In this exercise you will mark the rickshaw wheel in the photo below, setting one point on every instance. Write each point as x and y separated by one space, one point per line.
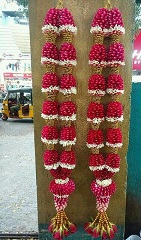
4 117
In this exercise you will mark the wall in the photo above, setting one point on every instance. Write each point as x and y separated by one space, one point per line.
81 204
133 211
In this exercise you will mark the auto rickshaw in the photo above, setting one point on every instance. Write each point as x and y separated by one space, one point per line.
18 104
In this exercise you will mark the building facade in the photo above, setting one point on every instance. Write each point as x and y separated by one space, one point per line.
15 57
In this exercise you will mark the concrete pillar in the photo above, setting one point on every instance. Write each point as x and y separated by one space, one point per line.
81 205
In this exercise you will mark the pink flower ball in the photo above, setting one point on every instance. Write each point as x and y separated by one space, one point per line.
115 84
95 112
115 56
50 52
62 189
114 137
98 55
97 85
68 84
103 174
67 111
50 82
68 159
50 133
95 138
113 161
68 136
51 158
116 21
60 173
50 109
65 17
107 22
96 161
67 52
103 191
52 17
114 112
100 23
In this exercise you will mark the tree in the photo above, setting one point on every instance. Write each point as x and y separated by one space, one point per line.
137 18
24 3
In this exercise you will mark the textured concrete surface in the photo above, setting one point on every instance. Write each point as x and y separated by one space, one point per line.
18 203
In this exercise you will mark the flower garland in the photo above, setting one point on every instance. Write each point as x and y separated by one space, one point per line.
59 21
107 22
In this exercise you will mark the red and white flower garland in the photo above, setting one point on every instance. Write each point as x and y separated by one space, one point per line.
59 21
107 22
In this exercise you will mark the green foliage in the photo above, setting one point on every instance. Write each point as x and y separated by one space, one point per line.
137 18
22 2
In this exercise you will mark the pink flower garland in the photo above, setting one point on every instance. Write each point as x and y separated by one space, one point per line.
106 23
59 21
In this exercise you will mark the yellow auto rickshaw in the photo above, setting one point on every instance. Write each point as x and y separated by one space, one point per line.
18 104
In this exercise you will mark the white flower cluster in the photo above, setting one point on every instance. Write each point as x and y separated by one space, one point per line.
96 92
105 31
113 63
97 63
50 89
92 168
50 27
62 196
68 28
104 183
52 166
45 60
51 117
66 91
54 141
61 181
68 118
66 165
95 145
56 165
114 119
67 143
67 62
116 145
95 120
110 169
117 28
114 91
98 168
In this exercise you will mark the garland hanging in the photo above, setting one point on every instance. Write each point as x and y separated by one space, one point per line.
59 22
107 22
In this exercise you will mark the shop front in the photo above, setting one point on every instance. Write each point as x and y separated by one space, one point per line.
137 58
17 80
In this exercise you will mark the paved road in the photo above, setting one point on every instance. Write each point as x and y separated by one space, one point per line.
18 207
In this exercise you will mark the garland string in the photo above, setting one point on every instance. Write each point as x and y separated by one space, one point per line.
107 22
59 21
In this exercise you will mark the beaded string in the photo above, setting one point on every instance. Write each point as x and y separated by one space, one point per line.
108 5
60 4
